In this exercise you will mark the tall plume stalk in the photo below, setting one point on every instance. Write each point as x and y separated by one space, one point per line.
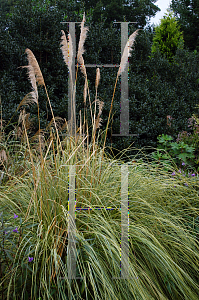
35 72
67 51
80 61
81 49
97 80
123 63
35 76
97 120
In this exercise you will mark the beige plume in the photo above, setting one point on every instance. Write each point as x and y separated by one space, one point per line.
126 52
31 97
33 62
35 76
100 106
67 50
98 123
82 66
97 80
3 156
64 48
81 44
98 119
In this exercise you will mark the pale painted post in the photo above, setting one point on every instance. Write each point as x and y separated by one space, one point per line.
124 111
71 99
72 103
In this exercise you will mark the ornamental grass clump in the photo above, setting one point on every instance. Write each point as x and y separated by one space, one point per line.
163 238
74 175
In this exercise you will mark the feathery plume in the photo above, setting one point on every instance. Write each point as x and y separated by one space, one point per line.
67 50
82 66
22 116
98 123
97 80
82 40
35 76
100 106
123 63
64 48
32 96
3 156
126 52
29 99
33 62
98 119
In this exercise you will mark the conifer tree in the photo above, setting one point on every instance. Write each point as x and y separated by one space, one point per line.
187 14
168 37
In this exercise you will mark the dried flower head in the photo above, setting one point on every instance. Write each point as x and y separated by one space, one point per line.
81 49
97 80
3 156
126 52
82 66
67 50
82 39
33 62
31 97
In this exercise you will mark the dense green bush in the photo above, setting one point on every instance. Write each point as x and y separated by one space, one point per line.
158 89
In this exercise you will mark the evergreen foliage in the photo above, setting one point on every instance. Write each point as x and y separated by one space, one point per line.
121 10
187 14
168 37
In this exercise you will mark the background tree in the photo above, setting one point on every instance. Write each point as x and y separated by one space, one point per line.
168 37
6 7
187 14
122 10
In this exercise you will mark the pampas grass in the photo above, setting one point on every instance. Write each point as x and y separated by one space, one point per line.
80 60
67 51
81 49
34 75
32 97
124 59
163 226
97 80
34 94
40 80
126 53
34 64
